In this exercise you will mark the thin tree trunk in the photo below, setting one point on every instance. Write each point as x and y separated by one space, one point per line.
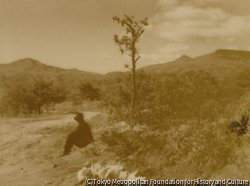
134 78
134 90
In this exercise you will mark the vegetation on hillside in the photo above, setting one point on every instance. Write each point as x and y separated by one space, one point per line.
22 100
86 91
180 128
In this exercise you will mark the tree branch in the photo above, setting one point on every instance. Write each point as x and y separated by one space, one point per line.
137 58
140 34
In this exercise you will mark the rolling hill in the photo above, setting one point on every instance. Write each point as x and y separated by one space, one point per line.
27 71
223 64
231 66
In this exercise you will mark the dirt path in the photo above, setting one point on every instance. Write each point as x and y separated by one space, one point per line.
31 148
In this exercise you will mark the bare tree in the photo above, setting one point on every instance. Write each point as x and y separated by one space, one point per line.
134 30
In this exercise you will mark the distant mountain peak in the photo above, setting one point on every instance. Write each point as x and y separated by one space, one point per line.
27 62
28 65
184 58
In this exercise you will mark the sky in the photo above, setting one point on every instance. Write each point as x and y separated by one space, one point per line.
79 33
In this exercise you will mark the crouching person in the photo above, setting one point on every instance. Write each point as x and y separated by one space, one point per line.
81 137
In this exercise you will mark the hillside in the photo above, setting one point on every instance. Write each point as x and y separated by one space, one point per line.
230 66
223 64
27 71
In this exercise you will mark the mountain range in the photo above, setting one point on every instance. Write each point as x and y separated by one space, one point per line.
231 66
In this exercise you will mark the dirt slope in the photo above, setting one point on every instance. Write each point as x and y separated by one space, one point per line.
31 150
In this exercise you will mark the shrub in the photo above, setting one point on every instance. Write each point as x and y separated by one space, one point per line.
199 148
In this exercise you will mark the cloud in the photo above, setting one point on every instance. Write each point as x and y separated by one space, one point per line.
185 23
167 5
239 7
165 54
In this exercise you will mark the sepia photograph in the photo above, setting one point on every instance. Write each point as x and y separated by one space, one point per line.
124 92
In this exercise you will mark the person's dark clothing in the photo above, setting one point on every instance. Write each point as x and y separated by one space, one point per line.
81 137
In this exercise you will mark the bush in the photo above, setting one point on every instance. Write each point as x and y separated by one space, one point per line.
190 96
193 147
